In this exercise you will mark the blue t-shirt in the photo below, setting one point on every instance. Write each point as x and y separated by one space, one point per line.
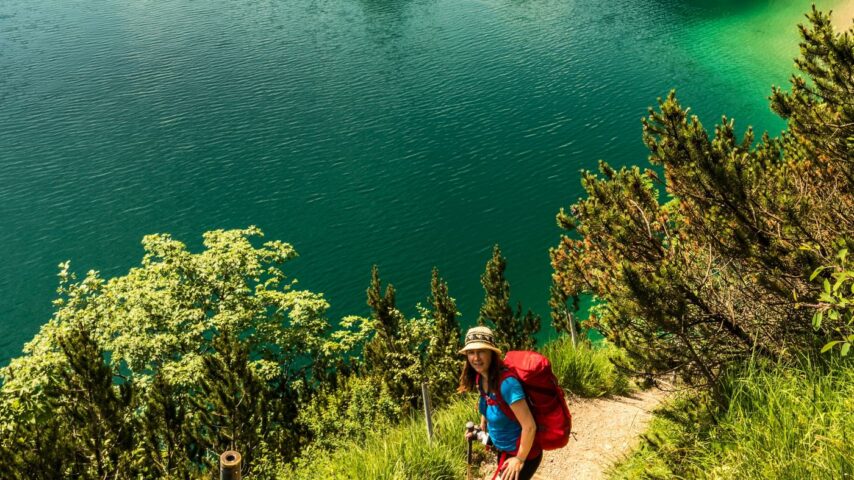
503 430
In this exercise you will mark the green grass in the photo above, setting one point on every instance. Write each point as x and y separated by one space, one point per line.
587 370
399 453
780 423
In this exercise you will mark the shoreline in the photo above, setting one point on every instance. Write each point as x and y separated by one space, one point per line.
843 14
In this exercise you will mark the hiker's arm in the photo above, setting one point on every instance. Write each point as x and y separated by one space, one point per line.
529 427
529 430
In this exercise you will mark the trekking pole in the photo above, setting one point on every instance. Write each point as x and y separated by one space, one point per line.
469 429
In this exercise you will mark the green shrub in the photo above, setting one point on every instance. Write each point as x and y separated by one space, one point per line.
587 370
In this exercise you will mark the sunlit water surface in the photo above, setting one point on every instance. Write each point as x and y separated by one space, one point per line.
407 133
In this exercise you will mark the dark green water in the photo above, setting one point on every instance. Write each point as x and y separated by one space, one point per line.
408 133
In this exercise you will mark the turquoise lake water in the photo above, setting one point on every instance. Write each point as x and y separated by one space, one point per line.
407 133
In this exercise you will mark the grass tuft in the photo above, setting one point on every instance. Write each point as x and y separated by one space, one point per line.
399 453
587 370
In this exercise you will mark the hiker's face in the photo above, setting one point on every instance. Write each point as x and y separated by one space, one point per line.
480 360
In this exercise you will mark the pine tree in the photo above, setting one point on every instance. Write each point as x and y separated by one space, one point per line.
716 273
232 403
383 307
40 448
528 325
99 414
512 331
444 313
89 430
496 302
168 433
397 348
386 324
443 359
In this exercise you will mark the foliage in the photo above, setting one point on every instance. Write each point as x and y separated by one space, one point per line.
513 331
836 303
779 422
587 370
404 352
231 402
186 355
349 412
819 113
706 276
396 347
154 373
168 430
88 431
191 354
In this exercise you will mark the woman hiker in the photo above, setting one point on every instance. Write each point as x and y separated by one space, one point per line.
518 456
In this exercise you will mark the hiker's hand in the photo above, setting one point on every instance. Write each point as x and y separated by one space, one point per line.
511 468
470 435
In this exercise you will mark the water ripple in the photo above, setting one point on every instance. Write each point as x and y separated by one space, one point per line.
408 133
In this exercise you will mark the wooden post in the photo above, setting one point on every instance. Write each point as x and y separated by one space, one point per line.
425 394
469 429
229 465
571 319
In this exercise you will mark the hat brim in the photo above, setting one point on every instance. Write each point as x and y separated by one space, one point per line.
479 346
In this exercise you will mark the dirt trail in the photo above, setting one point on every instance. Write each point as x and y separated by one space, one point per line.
843 14
604 430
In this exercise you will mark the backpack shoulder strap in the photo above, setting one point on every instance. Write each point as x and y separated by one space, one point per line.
499 400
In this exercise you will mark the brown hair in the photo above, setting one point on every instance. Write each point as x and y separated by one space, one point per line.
468 376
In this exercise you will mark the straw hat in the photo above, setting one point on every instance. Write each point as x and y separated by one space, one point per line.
480 338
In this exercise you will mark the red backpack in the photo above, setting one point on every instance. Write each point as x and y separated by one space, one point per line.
543 394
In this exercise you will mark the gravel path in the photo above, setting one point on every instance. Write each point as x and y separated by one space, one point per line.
604 430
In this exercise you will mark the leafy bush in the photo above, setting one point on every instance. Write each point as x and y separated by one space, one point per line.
834 310
167 366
